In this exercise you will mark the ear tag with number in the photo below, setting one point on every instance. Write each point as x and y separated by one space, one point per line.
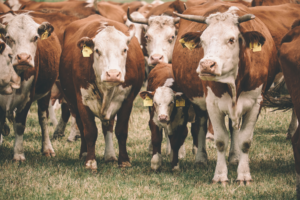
188 44
180 102
148 101
255 46
86 51
45 35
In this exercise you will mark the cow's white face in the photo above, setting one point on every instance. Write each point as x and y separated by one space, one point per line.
220 42
22 35
14 4
138 27
110 48
8 77
160 36
163 102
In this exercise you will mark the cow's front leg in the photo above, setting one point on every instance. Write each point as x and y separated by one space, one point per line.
156 139
109 152
293 126
234 153
43 105
201 120
177 140
19 128
75 132
245 140
122 131
4 128
194 130
61 126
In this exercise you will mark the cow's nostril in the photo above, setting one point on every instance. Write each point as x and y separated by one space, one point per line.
161 58
213 65
118 75
18 57
107 74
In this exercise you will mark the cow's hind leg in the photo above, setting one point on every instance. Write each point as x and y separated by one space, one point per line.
60 128
43 105
109 152
293 126
75 132
156 139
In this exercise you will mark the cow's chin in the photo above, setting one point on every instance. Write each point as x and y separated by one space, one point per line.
112 83
207 76
22 67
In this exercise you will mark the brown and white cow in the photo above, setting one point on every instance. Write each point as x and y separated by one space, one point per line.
166 114
102 84
233 76
289 60
35 56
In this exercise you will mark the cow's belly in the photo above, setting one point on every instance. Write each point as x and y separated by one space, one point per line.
245 102
19 98
104 109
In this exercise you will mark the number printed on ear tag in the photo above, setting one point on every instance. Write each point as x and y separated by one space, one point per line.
45 35
148 101
86 51
180 102
255 46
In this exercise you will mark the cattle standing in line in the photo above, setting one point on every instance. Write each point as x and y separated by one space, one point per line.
102 84
169 112
232 76
36 62
289 60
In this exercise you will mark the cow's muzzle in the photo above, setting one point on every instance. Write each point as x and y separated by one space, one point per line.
208 68
23 61
156 59
113 75
163 118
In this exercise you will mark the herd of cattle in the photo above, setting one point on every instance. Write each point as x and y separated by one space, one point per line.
201 60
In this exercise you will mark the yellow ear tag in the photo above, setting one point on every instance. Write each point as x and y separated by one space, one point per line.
86 51
44 35
190 45
180 102
148 101
255 46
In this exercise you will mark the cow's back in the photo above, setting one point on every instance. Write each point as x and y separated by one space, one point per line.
158 76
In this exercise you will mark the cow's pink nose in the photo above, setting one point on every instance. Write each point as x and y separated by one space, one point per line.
156 59
23 58
113 75
208 67
163 118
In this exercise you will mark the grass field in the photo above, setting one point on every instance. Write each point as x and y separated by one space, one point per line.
64 176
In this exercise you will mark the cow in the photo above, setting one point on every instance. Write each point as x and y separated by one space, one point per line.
4 8
228 75
35 56
102 82
145 9
289 60
169 113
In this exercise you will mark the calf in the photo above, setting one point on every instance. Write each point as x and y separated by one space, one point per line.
233 75
102 82
289 60
166 114
35 56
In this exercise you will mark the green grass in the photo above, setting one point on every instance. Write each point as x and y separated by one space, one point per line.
64 176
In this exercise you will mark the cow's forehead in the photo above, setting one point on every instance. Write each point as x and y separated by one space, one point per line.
229 17
22 21
163 94
161 21
110 35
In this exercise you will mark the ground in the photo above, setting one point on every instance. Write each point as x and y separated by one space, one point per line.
64 176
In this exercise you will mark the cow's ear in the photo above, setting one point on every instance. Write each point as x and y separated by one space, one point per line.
191 40
2 46
295 24
86 45
253 37
45 30
145 94
131 32
179 95
2 31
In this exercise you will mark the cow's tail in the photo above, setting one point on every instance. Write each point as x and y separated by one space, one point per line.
273 99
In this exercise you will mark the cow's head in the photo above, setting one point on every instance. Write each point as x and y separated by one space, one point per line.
14 4
109 49
164 101
221 41
160 36
8 77
22 35
139 28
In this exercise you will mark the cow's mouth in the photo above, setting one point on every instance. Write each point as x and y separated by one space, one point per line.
207 74
22 67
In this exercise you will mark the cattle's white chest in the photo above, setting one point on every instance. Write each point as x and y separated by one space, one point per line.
245 102
106 105
19 98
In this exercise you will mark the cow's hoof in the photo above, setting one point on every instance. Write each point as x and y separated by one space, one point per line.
111 159
224 183
57 136
176 168
19 157
49 153
240 182
5 130
156 161
125 164
194 150
248 183
92 165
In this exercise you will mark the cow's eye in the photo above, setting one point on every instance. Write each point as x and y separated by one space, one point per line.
147 37
35 38
231 40
97 51
10 56
125 50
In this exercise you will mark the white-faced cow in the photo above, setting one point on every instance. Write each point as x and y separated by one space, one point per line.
101 72
237 64
36 60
